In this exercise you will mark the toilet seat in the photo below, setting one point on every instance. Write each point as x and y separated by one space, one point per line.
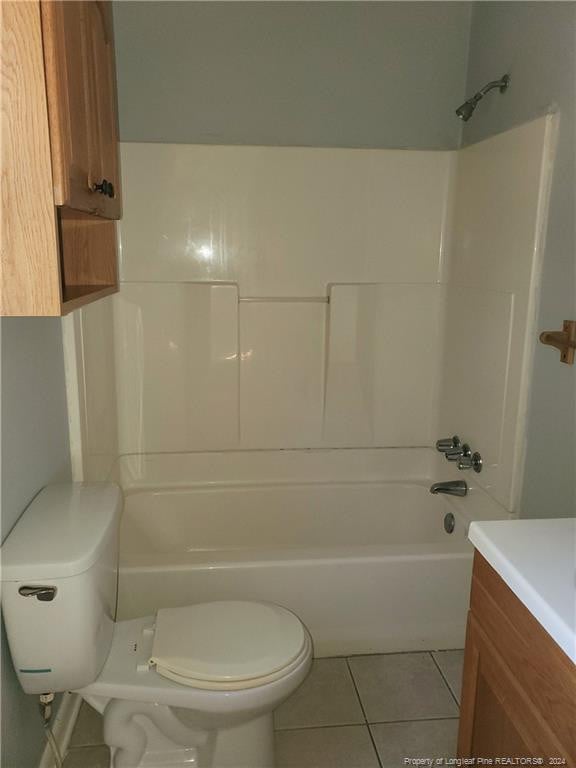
128 674
227 645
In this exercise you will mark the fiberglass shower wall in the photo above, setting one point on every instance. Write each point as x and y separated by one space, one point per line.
307 298
267 294
500 204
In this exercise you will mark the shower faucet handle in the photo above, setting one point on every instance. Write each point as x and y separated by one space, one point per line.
471 462
448 444
456 454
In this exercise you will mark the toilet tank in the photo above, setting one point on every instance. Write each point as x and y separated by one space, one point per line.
59 569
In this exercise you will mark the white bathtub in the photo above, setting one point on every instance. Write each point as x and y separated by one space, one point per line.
366 564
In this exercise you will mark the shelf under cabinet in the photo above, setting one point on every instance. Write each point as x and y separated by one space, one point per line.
88 262
76 296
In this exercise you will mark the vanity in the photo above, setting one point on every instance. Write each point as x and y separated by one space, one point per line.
519 680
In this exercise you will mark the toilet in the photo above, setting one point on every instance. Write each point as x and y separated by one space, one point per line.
191 686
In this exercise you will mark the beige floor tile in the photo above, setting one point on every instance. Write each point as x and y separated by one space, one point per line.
327 697
401 686
88 729
451 663
88 757
424 738
343 747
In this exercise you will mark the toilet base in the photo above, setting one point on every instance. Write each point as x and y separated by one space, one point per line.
149 735
152 722
250 745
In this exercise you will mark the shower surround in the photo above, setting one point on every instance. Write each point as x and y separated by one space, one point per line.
299 301
254 282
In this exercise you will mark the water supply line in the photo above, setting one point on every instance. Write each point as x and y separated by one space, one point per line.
45 703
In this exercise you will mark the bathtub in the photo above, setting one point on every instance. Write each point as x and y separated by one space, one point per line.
364 562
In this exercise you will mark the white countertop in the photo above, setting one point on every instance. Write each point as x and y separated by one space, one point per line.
537 559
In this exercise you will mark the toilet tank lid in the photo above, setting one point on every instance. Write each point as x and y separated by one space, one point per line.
62 532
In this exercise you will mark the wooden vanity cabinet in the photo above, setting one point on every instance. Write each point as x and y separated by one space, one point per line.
519 687
60 166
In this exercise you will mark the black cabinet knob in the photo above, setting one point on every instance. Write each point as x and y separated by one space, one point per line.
104 188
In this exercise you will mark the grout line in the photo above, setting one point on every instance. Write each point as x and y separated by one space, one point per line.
384 653
417 720
445 680
363 725
364 713
391 653
352 678
320 727
81 747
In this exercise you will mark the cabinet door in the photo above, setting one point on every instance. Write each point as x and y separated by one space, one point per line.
103 104
81 90
519 687
71 133
496 720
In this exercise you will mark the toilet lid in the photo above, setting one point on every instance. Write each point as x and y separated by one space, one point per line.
226 642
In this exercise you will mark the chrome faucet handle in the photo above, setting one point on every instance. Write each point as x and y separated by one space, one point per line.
447 443
471 462
458 453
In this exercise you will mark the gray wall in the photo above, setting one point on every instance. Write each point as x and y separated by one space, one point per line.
344 74
35 452
535 43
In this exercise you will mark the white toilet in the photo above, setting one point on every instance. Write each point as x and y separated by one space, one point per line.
193 686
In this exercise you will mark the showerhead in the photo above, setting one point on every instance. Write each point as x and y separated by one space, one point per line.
465 111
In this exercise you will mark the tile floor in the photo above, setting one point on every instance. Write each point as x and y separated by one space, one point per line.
360 712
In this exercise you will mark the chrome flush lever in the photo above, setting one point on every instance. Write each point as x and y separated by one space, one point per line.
45 594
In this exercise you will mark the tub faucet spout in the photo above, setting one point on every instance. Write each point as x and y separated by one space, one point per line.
451 488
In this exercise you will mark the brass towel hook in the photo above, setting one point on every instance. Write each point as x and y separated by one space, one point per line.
564 340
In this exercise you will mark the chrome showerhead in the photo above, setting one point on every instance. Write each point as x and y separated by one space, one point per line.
465 111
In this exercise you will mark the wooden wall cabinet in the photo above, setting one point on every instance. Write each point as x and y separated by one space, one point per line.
60 166
519 687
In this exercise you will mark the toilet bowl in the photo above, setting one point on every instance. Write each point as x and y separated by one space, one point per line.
194 686
216 710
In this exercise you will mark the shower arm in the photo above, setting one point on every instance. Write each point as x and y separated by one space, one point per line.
502 83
